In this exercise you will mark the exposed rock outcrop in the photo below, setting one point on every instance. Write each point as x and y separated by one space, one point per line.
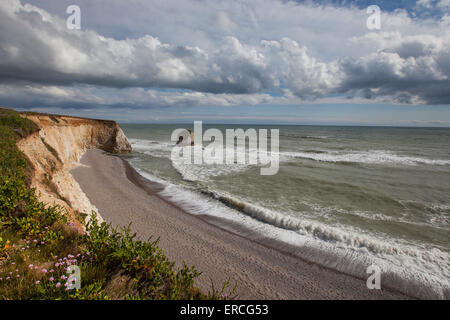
186 138
57 148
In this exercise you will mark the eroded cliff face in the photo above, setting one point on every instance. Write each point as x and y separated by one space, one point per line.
57 148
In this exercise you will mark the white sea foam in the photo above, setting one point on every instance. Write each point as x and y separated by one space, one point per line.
370 157
153 148
410 267
195 172
439 217
189 171
418 271
202 172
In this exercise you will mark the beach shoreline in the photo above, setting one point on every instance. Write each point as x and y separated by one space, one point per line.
219 249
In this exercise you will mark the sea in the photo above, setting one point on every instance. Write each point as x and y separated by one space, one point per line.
344 197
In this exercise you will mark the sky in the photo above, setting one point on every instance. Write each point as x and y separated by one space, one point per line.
252 61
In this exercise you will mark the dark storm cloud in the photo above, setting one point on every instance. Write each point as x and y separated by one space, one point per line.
38 50
413 70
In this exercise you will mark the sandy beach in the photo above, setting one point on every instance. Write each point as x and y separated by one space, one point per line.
122 197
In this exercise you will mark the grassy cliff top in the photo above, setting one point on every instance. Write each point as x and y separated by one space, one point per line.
12 120
38 244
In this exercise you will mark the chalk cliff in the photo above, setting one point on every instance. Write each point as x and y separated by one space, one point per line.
57 148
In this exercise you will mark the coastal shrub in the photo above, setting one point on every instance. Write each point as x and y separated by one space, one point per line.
17 124
53 118
38 244
51 149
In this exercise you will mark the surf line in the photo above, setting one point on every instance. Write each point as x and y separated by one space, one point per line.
235 153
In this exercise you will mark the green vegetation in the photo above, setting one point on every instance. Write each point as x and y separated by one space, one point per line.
51 149
54 119
38 244
12 121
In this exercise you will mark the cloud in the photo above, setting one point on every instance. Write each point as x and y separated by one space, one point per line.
87 97
424 3
412 69
221 54
39 48
303 74
440 4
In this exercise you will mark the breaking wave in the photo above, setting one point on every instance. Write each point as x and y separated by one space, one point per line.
418 272
412 268
370 157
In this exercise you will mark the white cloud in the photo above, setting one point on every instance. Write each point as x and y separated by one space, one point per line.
425 3
444 4
227 53
91 96
409 69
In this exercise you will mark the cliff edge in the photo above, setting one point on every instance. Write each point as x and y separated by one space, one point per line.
57 148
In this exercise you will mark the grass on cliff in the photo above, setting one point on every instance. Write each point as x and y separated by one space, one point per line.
38 244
